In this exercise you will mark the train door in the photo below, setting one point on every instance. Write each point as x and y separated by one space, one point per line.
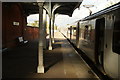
112 46
99 41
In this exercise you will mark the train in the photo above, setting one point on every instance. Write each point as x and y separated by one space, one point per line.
98 36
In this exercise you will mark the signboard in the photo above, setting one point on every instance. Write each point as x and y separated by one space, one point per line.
16 23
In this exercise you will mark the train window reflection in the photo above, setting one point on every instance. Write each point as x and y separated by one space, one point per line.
86 32
116 36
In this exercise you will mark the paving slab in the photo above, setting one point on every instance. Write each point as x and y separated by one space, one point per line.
61 62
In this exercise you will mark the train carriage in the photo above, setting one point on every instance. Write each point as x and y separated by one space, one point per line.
99 39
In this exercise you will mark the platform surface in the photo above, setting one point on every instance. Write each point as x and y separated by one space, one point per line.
62 62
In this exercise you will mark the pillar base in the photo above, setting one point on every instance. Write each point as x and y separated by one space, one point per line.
78 46
53 41
40 69
50 48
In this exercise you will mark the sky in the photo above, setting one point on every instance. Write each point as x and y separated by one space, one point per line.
63 20
33 18
82 12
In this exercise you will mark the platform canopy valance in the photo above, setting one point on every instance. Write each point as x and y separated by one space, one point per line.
66 8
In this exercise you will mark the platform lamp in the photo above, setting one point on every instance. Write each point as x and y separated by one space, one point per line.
88 7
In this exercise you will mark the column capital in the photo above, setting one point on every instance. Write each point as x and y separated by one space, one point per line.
40 4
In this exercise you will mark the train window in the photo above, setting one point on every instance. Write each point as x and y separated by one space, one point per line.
86 32
116 36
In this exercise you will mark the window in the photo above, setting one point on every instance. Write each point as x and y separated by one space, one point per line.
87 32
33 20
116 36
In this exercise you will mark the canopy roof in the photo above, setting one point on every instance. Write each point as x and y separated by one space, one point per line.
66 8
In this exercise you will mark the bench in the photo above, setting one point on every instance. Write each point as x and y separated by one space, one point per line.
21 40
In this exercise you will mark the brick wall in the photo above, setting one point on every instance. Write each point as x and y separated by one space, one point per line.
13 12
31 33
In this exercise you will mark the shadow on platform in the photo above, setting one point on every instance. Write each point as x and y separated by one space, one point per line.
24 59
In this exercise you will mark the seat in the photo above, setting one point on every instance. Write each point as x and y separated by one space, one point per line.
21 40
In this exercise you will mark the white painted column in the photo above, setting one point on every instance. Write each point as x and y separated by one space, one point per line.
53 20
70 32
50 35
40 68
44 33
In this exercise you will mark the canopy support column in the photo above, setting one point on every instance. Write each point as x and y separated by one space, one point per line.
45 25
77 35
50 38
50 34
70 32
53 20
40 68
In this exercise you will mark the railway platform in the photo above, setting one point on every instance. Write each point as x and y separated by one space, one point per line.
62 62
41 49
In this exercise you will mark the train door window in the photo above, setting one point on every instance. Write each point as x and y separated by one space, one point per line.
86 32
116 36
90 33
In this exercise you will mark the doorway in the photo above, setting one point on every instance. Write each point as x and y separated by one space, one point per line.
99 40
